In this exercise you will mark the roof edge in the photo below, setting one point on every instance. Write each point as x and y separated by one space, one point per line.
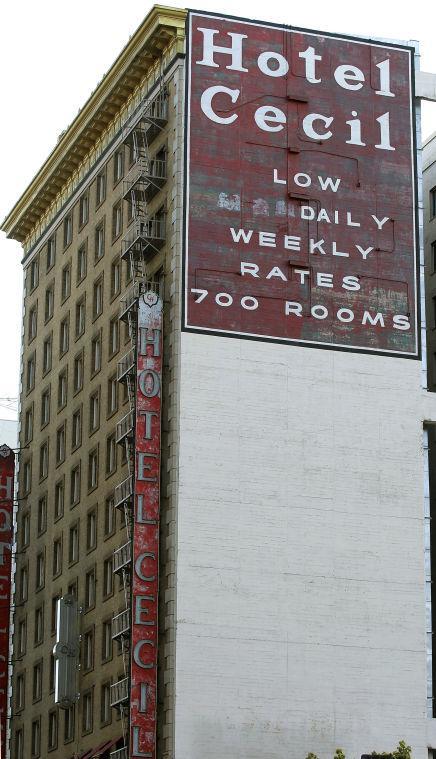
159 17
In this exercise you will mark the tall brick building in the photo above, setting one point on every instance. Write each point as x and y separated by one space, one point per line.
286 612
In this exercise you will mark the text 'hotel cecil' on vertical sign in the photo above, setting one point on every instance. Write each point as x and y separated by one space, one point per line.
300 221
7 470
145 558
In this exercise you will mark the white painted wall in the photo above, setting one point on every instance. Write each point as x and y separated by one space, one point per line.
300 573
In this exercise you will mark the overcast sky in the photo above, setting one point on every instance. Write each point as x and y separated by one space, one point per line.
53 54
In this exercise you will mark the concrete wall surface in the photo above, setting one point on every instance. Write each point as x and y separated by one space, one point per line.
300 571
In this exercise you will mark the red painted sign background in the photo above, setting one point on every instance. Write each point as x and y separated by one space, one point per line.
305 262
145 555
7 468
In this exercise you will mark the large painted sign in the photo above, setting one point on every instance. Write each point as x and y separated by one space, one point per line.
300 220
7 469
146 529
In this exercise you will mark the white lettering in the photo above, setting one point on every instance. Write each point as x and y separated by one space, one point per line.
401 322
249 268
209 48
310 59
385 79
308 126
281 69
384 143
206 104
268 113
373 320
345 75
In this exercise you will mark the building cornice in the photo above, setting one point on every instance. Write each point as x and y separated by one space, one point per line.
160 29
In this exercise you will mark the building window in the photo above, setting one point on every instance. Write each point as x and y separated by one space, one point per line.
106 640
432 202
111 454
33 323
115 277
52 674
37 681
88 650
97 299
60 444
94 411
28 425
62 389
81 263
47 355
117 220
87 712
108 585
90 589
112 395
68 230
109 516
30 373
25 529
118 165
69 720
73 544
45 406
52 730
57 557
24 579
129 271
21 637
20 691
78 372
19 744
40 571
114 337
51 252
105 704
93 469
80 316
72 589
42 515
76 429
91 529
54 609
27 476
83 209
43 460
100 188
96 354
64 335
34 274
75 485
35 746
99 241
66 282
49 303
39 625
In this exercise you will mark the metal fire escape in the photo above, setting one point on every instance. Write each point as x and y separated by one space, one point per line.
143 240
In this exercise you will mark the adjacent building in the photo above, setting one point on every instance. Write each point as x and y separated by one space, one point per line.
224 498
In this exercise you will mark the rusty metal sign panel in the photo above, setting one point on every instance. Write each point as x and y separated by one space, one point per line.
145 558
7 472
300 188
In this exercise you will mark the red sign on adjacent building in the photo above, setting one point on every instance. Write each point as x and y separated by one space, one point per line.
300 221
7 469
145 558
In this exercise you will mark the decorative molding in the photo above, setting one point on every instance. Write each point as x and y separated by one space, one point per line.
157 41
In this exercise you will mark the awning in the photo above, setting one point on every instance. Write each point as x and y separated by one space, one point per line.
99 752
87 754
